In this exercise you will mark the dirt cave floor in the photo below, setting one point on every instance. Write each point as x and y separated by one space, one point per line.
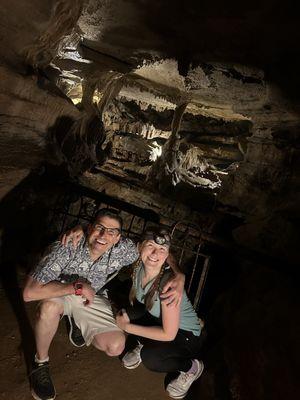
78 373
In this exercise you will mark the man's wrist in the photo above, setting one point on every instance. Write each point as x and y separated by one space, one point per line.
180 275
77 286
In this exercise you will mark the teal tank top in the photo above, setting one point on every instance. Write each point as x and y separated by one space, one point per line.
188 317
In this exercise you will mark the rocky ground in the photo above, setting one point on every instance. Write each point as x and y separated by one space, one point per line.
83 373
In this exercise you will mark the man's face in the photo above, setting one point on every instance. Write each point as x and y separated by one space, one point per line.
103 234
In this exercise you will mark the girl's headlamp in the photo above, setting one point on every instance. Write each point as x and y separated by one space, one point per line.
159 236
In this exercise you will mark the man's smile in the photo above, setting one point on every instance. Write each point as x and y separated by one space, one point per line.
101 241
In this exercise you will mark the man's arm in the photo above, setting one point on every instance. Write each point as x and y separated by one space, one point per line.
43 281
126 251
173 290
35 290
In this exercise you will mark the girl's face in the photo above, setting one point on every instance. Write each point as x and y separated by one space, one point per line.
153 254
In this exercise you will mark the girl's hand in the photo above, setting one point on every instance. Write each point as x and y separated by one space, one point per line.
122 320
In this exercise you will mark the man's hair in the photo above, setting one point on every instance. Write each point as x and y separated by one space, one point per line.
107 212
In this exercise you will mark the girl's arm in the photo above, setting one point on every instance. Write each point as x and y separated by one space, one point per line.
166 332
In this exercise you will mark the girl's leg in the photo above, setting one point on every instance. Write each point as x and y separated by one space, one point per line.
171 356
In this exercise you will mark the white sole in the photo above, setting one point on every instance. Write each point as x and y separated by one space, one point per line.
182 396
201 369
36 397
132 366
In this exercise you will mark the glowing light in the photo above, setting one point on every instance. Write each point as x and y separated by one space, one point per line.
155 151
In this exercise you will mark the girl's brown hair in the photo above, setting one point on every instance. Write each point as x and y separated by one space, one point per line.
152 292
156 234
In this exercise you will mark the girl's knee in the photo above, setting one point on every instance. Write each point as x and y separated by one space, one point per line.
150 358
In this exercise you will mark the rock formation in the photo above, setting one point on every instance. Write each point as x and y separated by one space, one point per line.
190 110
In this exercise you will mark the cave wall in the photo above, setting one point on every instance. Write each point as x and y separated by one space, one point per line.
239 119
28 110
252 351
265 188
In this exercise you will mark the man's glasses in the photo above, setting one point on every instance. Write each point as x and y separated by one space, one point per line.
110 231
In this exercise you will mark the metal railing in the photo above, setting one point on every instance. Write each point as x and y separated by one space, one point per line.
79 204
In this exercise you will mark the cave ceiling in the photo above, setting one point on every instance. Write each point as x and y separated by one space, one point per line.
187 111
184 51
199 51
199 96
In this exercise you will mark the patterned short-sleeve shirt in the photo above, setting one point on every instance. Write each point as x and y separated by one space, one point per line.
66 264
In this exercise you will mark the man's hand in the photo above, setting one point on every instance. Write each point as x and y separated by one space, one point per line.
173 290
88 293
122 320
74 235
172 262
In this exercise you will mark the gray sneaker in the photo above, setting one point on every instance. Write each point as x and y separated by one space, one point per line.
178 388
132 359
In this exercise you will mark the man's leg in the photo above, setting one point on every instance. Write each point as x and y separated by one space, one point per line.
98 325
74 332
46 325
112 343
47 321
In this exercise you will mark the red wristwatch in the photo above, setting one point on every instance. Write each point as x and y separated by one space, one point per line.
78 288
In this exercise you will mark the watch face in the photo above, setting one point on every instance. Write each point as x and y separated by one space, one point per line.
78 288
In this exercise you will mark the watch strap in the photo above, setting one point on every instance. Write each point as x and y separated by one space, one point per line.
77 288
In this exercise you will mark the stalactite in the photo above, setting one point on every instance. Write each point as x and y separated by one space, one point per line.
167 163
173 143
88 90
112 89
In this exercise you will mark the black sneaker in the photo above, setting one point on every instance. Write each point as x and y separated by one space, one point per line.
75 335
42 387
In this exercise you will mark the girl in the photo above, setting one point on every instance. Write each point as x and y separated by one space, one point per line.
169 337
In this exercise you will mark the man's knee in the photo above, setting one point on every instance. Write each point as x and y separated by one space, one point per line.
112 345
115 349
49 309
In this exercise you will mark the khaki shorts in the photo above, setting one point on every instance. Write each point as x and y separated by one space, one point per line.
92 319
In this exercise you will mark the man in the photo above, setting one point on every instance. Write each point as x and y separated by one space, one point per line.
66 282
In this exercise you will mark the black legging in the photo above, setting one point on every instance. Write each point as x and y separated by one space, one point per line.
171 356
166 356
